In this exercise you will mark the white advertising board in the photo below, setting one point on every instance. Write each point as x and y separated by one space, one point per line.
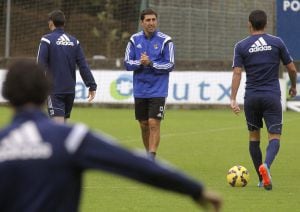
185 87
188 87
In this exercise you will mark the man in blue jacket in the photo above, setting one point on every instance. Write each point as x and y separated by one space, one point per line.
42 162
60 52
150 55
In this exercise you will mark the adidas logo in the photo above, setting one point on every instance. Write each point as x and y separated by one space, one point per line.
259 46
64 41
139 46
24 143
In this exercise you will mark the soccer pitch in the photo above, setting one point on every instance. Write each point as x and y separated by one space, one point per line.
203 143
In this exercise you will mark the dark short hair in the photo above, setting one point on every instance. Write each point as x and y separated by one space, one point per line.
258 19
147 11
26 82
58 18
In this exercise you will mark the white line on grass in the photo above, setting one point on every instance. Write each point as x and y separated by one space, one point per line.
126 141
187 133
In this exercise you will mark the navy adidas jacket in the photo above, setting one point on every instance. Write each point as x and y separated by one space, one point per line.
150 81
60 52
42 163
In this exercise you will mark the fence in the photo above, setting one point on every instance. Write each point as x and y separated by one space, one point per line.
103 27
201 30
208 29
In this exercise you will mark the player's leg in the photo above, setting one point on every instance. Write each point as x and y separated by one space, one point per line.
273 119
141 114
154 139
145 133
58 119
156 114
271 152
255 152
272 148
69 101
56 108
254 123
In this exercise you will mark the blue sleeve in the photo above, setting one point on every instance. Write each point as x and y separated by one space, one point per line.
284 54
43 53
237 57
131 63
166 63
84 69
98 152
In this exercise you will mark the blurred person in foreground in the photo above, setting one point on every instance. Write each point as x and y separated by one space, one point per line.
60 52
260 55
42 162
150 55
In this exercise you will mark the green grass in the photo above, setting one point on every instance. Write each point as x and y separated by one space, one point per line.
203 143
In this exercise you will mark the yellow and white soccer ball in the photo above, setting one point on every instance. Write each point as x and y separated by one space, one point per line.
238 176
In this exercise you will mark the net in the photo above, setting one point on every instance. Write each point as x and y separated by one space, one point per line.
208 29
103 27
201 30
2 27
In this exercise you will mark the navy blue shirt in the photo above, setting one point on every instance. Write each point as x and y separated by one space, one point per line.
41 165
260 55
60 52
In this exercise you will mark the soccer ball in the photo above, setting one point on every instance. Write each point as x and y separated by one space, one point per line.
238 176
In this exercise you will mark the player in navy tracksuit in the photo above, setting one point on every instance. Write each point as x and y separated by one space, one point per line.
60 52
42 162
260 55
150 55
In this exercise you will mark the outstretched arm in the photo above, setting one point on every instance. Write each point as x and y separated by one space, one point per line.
98 152
211 199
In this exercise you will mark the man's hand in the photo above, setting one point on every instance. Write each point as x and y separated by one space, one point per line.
235 107
145 59
211 200
91 95
293 91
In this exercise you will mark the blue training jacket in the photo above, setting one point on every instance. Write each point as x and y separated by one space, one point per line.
42 165
150 81
60 52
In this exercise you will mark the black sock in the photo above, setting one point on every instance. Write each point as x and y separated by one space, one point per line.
256 155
